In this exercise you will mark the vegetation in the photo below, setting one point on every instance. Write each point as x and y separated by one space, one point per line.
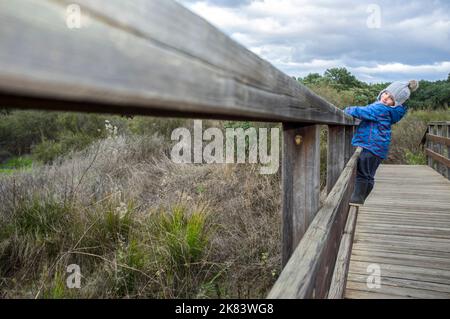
343 89
100 191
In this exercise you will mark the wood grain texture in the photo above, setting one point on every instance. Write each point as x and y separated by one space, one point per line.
335 154
142 57
339 280
404 227
300 183
349 148
448 150
441 160
440 139
309 270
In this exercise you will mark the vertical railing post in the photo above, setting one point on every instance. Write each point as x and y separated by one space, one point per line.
434 146
335 154
429 146
447 126
349 149
441 132
300 183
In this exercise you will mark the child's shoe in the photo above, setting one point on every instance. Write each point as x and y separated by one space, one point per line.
359 194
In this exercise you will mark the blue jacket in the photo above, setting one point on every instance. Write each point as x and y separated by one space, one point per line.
374 131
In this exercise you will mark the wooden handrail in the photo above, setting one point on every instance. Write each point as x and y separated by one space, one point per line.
339 280
309 271
157 58
143 57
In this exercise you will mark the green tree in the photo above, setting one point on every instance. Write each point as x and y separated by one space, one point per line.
312 79
342 79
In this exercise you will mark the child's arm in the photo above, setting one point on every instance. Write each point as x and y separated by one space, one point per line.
363 112
398 113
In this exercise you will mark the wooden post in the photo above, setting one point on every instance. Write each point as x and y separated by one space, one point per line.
448 148
433 147
429 145
300 183
335 155
441 132
349 149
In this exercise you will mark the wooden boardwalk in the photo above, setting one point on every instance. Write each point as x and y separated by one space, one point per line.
404 228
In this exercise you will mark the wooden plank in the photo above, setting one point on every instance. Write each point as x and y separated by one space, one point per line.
142 57
401 291
392 238
362 294
301 183
311 264
402 271
415 219
400 249
400 259
439 123
335 154
405 283
439 262
443 140
392 229
338 282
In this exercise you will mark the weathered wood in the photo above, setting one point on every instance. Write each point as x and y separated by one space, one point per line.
349 148
311 265
443 140
435 148
335 154
438 158
338 282
429 144
301 183
396 292
439 123
442 169
142 57
448 150
406 234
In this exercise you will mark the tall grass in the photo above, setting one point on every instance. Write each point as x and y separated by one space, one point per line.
138 226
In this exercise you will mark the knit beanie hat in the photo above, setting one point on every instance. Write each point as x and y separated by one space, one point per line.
400 91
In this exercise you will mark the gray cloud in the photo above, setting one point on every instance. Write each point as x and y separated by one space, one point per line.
302 36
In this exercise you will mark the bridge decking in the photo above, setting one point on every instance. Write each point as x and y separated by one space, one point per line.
404 227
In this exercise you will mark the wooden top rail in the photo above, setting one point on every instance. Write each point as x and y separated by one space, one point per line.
142 57
309 271
439 123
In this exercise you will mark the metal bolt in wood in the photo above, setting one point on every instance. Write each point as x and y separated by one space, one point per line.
298 139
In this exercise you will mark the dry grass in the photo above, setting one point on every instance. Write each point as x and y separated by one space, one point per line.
139 226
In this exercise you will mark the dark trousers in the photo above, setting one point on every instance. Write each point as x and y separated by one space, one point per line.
367 167
365 176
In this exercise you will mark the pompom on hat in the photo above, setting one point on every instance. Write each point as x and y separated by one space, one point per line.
400 91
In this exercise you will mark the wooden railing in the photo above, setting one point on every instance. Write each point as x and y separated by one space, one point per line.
157 58
437 141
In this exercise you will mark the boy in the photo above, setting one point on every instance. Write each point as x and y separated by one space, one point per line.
374 133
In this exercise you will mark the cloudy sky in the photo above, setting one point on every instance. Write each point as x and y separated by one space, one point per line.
376 40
